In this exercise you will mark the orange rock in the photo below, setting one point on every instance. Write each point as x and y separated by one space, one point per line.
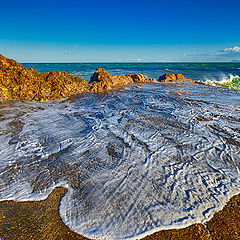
102 81
139 78
17 82
174 78
177 78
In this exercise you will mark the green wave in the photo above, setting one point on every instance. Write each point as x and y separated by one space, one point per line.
233 82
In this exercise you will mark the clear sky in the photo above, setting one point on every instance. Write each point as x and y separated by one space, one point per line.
126 30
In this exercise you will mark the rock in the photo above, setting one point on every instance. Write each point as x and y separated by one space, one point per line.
7 64
102 81
177 78
64 85
139 78
174 78
17 82
100 75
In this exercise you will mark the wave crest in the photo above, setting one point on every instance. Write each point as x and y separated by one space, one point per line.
231 82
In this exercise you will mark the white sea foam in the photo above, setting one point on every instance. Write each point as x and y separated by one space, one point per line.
224 80
134 161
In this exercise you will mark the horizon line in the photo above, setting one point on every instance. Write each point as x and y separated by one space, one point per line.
129 62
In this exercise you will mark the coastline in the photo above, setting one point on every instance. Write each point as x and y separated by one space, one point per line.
20 83
41 220
22 219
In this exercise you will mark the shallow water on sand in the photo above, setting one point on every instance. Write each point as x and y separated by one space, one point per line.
136 160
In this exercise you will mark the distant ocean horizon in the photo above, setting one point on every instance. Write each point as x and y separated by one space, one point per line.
200 71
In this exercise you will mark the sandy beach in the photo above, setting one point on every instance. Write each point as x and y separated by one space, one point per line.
40 220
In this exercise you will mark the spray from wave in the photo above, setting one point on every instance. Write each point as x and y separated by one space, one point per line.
231 82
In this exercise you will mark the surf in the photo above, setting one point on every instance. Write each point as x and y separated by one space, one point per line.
231 82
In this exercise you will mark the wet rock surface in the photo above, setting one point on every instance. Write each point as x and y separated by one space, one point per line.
38 220
140 151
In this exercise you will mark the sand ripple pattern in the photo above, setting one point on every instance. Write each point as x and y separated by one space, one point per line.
137 160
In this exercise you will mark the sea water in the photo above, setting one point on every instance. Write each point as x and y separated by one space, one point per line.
136 160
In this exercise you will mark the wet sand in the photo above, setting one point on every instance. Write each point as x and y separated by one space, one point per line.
35 219
41 220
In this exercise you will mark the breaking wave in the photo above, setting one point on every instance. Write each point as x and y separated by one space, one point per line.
231 82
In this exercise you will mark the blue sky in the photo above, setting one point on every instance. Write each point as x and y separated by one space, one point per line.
108 30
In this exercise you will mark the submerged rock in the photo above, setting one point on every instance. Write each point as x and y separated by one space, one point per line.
17 82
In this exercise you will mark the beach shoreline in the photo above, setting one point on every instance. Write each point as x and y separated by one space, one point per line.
41 220
178 112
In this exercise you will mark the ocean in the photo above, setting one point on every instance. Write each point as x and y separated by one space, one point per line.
135 161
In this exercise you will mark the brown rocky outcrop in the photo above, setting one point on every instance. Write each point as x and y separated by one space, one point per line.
102 81
139 78
17 82
176 78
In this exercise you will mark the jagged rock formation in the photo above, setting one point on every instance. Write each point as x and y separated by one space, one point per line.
102 81
17 82
139 78
176 78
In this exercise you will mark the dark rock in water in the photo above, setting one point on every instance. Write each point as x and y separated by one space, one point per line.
17 82
176 78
